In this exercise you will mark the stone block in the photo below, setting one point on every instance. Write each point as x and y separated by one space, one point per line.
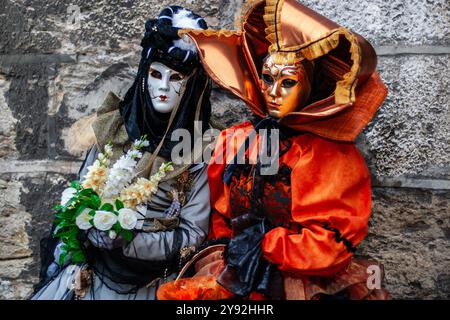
410 134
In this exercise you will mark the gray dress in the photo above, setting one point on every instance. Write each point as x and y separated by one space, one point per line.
151 246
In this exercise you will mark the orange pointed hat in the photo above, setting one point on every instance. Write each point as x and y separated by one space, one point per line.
343 58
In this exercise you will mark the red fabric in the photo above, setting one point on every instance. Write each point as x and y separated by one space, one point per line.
198 288
202 286
330 184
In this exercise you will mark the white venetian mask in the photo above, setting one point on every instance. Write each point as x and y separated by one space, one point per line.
166 87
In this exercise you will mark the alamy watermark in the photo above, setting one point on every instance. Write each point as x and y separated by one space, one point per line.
374 278
73 17
241 147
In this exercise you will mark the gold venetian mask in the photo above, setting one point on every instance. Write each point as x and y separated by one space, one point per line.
285 85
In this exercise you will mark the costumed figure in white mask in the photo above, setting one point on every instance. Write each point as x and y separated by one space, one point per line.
171 91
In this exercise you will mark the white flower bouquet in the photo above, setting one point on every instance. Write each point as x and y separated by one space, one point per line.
106 200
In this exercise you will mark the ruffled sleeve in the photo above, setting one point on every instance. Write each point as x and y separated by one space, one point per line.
331 202
227 144
220 209
192 230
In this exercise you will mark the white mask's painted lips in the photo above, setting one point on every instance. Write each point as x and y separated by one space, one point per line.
163 98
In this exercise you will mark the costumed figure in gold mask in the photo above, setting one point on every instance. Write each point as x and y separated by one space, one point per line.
293 234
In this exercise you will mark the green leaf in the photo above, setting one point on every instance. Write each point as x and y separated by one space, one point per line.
96 201
119 204
70 202
76 185
64 232
86 192
74 243
127 235
89 198
59 216
107 207
117 227
67 215
66 223
78 257
79 209
57 207
59 231
63 257
91 204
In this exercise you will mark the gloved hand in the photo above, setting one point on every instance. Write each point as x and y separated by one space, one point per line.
101 239
246 269
244 256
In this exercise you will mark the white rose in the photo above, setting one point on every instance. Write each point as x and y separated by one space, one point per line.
127 218
82 221
104 220
67 194
112 234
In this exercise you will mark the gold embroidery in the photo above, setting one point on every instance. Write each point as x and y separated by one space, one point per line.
184 183
209 32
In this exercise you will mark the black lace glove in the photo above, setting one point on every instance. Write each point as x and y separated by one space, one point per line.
246 269
100 239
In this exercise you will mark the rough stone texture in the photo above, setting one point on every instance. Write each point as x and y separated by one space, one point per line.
7 122
396 22
410 232
228 108
13 236
15 250
56 67
52 26
410 134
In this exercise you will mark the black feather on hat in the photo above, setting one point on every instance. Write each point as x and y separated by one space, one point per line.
162 41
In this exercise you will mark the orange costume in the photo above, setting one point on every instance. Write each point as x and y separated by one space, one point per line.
298 229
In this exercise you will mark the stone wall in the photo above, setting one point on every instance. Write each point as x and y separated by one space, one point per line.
56 66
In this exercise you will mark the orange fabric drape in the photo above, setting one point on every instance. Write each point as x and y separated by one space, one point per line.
330 185
330 191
